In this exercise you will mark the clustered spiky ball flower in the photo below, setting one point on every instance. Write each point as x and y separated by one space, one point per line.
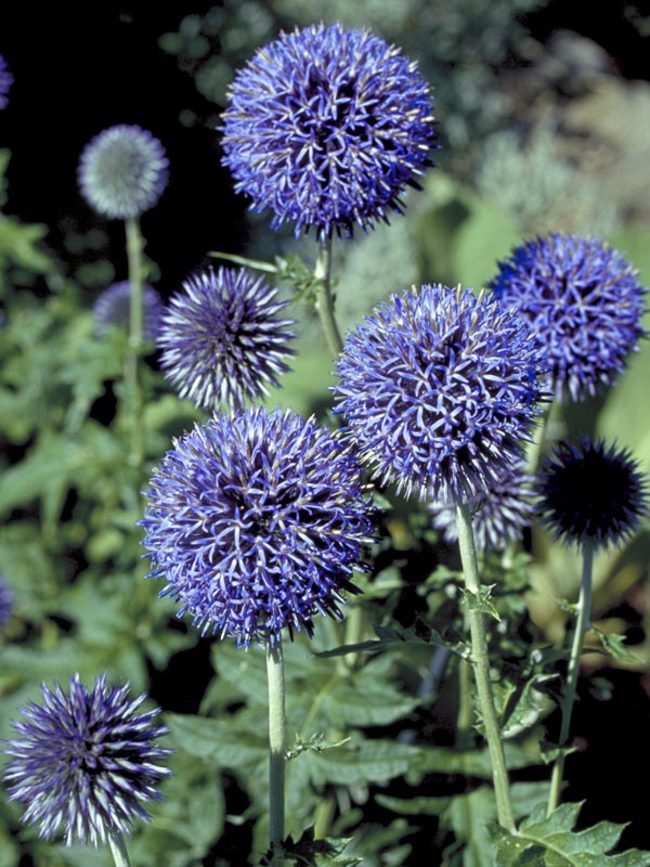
327 127
123 171
113 308
85 763
583 303
257 522
498 515
223 338
6 602
6 80
438 387
592 493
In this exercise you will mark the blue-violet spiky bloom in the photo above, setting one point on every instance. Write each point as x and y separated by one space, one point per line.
85 763
592 493
113 307
123 171
438 387
223 340
583 303
498 515
327 127
257 522
6 80
6 602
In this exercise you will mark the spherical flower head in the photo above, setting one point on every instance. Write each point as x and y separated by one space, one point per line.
583 304
85 763
327 127
113 308
223 338
257 522
438 387
6 602
592 494
498 515
6 80
123 171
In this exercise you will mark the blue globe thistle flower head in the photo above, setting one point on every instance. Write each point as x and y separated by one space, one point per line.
85 762
123 172
327 127
113 308
257 522
438 387
498 515
223 338
583 303
592 493
6 80
6 602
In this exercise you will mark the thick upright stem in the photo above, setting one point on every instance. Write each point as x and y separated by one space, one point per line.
277 749
118 851
481 667
581 627
325 299
134 257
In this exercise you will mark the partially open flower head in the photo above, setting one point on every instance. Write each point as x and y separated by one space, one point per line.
113 308
257 522
327 127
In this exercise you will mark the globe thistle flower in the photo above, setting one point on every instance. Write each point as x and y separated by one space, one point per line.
85 762
113 307
6 80
592 493
6 602
257 522
438 387
498 515
123 171
583 303
223 340
327 127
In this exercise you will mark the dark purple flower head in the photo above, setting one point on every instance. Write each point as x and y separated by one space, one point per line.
85 763
498 515
326 127
6 602
592 493
113 307
6 80
583 303
257 523
223 340
438 388
123 171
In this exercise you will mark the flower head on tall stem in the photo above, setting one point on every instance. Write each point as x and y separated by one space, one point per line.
327 127
6 80
113 307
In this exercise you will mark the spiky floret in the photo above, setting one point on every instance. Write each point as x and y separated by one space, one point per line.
583 303
113 307
6 80
592 493
498 515
438 388
327 127
123 171
257 522
85 763
223 340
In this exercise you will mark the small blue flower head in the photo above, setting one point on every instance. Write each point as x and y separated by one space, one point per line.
6 80
122 172
257 522
6 602
498 515
583 303
85 762
438 388
327 127
592 493
113 307
223 339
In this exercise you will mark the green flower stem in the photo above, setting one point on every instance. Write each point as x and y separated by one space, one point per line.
568 700
277 748
118 851
465 715
481 667
325 298
134 256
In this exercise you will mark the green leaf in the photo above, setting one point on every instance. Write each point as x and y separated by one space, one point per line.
308 852
213 740
316 743
370 761
481 601
614 645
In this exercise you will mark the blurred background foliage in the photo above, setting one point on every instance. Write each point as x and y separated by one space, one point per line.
545 125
